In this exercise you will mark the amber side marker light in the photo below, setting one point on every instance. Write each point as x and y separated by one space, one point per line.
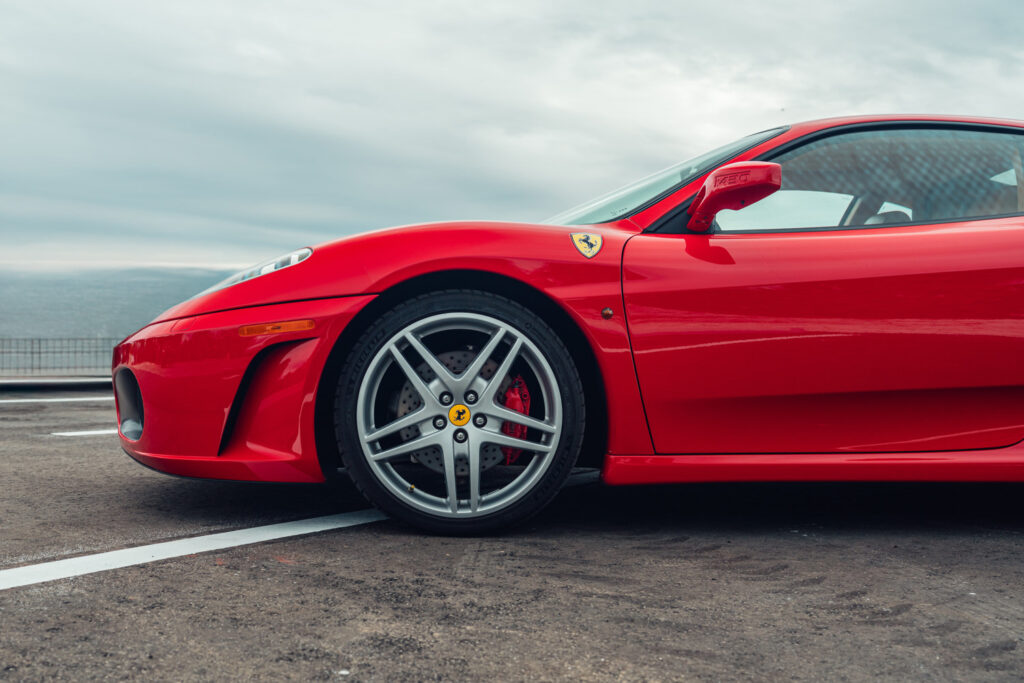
276 328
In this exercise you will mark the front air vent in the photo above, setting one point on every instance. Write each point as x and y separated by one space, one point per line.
129 404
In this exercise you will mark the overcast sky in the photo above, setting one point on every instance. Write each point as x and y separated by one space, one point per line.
211 132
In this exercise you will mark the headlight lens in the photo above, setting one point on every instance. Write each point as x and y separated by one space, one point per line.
297 256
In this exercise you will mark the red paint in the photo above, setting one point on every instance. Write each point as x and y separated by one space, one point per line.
189 372
888 353
541 256
897 339
733 186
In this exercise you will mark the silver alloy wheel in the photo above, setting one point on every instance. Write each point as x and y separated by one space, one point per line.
459 439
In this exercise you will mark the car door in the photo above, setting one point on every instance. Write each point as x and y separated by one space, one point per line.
875 303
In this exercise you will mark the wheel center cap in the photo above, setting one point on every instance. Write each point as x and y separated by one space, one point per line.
458 414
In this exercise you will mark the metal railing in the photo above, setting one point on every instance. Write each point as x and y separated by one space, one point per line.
64 357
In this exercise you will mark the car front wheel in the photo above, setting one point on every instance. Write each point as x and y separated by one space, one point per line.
459 412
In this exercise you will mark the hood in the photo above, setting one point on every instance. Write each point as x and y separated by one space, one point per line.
370 262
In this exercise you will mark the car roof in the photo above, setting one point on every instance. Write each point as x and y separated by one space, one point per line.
805 127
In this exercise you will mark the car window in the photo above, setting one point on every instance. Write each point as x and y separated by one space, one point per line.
788 209
1008 177
890 177
632 197
893 206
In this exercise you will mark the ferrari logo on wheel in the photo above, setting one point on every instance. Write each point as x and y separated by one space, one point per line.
587 242
458 415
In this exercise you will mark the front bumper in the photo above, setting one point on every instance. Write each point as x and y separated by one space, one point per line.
221 405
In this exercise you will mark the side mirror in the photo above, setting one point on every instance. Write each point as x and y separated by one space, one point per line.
733 186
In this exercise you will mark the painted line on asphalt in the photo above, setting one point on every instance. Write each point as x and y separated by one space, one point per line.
57 400
39 381
93 432
117 559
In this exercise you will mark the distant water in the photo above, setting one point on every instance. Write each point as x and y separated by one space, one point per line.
93 303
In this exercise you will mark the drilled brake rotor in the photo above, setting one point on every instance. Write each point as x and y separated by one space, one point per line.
409 400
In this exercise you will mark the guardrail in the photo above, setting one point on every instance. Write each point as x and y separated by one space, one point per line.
64 357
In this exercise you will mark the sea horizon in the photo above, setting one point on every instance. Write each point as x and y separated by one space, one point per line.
43 302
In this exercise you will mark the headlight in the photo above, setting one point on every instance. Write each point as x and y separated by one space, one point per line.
270 266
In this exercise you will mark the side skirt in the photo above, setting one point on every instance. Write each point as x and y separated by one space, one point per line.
1001 464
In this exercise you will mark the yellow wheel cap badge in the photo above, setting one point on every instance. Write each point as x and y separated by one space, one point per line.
458 415
587 242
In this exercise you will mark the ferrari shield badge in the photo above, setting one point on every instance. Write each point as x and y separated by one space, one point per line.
587 242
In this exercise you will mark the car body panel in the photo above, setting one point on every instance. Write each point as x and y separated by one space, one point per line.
190 370
874 340
542 257
783 298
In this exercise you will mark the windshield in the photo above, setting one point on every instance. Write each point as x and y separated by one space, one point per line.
628 199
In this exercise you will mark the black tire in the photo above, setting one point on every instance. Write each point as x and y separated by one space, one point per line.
358 366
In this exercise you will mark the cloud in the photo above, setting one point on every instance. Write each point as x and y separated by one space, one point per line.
229 130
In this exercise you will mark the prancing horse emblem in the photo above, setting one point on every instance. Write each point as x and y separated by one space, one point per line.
458 415
587 242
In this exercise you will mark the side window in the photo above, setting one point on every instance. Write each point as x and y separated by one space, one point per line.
890 177
788 208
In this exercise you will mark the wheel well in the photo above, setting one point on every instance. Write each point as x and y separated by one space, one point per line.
595 438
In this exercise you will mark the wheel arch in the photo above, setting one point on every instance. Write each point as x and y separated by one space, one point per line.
595 438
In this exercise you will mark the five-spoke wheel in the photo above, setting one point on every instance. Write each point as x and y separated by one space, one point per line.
461 411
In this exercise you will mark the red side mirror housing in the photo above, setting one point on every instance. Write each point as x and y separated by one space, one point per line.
733 186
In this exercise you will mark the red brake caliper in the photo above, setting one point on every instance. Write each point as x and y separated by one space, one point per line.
517 398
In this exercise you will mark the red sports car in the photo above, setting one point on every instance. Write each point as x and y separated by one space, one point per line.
833 300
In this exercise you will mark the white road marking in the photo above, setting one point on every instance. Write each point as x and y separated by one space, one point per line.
30 381
116 559
93 432
77 399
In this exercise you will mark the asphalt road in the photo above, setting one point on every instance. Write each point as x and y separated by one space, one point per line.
709 582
